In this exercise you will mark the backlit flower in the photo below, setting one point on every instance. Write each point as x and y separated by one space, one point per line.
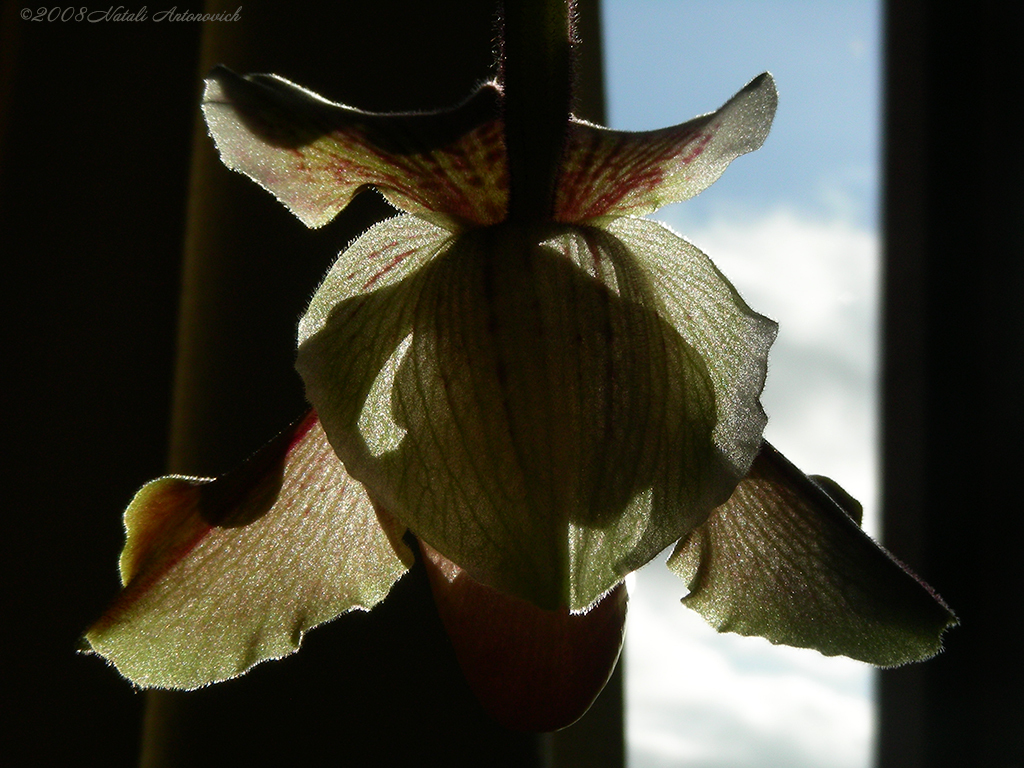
545 405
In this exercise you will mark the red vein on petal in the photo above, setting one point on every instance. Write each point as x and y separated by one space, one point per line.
395 261
171 516
616 171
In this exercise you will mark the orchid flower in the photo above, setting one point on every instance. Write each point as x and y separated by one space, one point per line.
542 404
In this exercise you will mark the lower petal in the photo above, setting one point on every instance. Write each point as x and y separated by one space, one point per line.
783 560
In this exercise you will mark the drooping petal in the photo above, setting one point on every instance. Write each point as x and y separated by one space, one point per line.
223 574
615 173
782 560
550 428
315 155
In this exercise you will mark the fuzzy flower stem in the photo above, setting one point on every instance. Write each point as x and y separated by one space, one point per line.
537 78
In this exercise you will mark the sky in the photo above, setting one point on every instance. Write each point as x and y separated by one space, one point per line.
794 226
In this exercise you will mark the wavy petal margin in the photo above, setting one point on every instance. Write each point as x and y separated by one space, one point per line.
709 313
610 173
783 560
223 574
314 155
535 405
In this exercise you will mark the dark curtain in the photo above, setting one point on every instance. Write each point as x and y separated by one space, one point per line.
96 128
954 372
107 179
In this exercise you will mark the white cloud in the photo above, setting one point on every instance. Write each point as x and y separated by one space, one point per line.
705 700
819 280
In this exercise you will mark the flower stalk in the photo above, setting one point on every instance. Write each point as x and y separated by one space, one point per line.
536 77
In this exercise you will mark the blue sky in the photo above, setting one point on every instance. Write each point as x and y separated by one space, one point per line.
668 60
794 226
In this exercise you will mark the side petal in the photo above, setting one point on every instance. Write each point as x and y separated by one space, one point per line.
616 173
315 155
783 560
223 574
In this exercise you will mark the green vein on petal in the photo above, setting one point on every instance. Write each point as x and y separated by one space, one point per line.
711 316
782 560
350 336
617 173
315 155
554 429
223 574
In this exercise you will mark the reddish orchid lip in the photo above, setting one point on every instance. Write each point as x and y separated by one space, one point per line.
531 669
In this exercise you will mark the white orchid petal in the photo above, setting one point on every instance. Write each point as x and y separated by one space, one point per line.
710 315
554 426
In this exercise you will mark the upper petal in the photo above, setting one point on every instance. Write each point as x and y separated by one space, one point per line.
314 155
616 173
222 574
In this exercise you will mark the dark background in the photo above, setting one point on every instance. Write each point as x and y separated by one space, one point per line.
98 126
116 214
953 372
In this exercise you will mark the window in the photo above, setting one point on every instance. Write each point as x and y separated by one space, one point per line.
795 227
